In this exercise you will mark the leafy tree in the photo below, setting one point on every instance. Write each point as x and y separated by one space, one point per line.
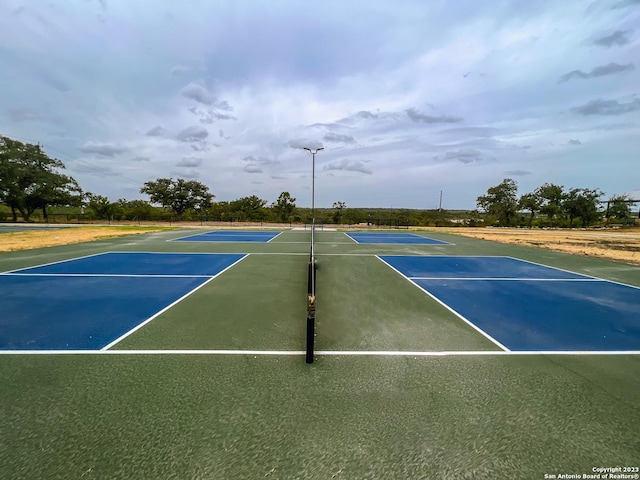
284 207
501 201
179 195
530 202
99 205
618 207
551 198
30 180
248 208
582 203
139 209
337 214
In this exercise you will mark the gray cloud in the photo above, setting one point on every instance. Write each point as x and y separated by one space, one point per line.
304 143
198 93
210 115
279 178
191 162
465 155
517 173
193 134
140 159
348 165
416 116
252 168
610 69
362 115
337 138
260 160
617 38
607 107
105 149
574 142
158 131
202 147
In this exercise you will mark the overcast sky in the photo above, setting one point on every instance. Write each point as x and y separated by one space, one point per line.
408 98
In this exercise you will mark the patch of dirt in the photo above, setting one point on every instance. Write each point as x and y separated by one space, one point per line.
28 240
620 245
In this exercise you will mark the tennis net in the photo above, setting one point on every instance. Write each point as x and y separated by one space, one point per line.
311 299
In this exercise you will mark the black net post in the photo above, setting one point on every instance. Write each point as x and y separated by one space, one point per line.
311 311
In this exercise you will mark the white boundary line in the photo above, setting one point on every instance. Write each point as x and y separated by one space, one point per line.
273 238
472 325
351 238
55 263
140 325
19 272
101 275
575 273
510 279
548 266
350 353
438 242
230 233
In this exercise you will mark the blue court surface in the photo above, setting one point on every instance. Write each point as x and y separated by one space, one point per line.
401 238
87 303
231 236
523 306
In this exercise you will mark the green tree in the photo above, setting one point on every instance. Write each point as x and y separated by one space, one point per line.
551 198
618 207
30 180
179 195
582 203
284 207
248 208
501 201
338 209
101 207
530 202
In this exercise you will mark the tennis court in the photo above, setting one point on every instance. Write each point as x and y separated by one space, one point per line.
453 358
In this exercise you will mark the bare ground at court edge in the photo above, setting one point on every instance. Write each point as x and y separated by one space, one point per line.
621 245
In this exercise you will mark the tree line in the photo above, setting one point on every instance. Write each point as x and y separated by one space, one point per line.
33 184
550 205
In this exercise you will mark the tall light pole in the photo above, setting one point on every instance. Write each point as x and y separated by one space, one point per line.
313 184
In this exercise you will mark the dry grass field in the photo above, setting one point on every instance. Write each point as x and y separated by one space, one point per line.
41 238
622 245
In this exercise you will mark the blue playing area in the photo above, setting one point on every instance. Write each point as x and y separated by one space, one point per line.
528 307
399 238
231 236
87 303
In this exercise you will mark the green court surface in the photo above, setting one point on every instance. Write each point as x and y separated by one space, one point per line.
217 386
